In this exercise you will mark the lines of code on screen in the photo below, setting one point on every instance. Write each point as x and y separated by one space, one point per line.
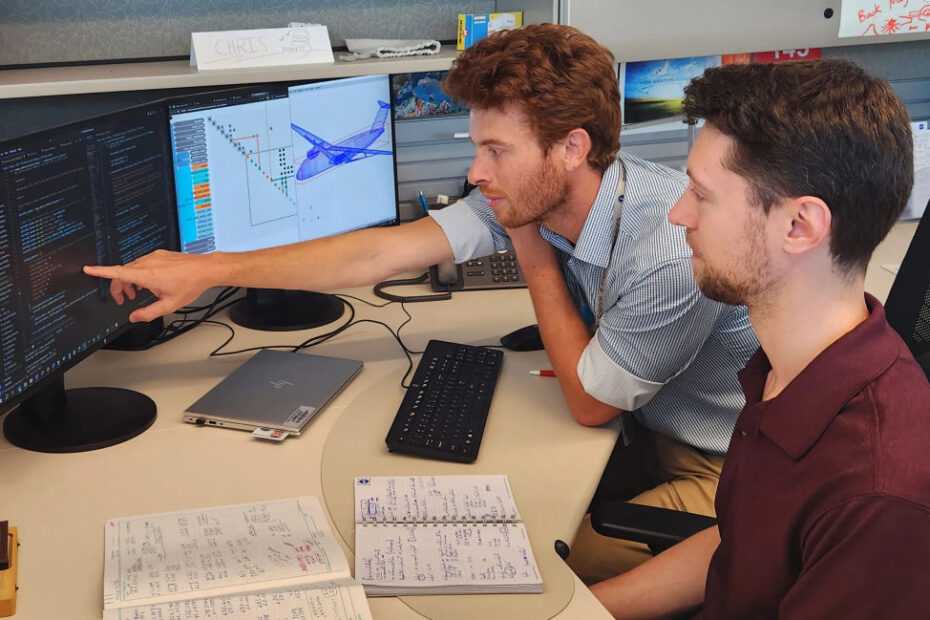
89 193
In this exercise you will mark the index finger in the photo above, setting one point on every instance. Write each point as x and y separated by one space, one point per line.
101 271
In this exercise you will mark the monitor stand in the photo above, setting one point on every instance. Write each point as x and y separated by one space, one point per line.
78 420
279 310
138 337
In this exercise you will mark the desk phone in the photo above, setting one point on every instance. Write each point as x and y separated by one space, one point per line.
499 270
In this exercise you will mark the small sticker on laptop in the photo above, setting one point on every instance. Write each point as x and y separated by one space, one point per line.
301 416
272 434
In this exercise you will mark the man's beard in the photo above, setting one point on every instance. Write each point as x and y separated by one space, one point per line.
752 279
546 189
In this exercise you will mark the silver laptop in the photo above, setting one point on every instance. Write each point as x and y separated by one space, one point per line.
274 389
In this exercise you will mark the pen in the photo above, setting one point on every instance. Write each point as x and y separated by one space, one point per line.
423 202
543 373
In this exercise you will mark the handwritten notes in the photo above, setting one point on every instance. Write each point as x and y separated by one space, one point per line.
441 535
277 554
330 602
862 18
236 49
445 559
424 499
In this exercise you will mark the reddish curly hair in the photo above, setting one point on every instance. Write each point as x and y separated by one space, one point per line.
561 78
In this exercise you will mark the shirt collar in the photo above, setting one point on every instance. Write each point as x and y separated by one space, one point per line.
594 246
797 417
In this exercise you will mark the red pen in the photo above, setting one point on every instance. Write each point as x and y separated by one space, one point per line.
543 373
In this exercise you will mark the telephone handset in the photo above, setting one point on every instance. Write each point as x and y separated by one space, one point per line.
447 274
499 270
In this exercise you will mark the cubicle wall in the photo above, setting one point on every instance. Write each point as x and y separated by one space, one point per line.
636 30
51 31
430 158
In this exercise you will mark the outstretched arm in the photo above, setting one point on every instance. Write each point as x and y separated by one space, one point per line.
353 259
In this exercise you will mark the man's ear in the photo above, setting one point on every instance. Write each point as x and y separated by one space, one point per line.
808 224
577 146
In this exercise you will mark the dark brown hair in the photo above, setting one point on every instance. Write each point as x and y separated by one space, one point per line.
562 79
822 128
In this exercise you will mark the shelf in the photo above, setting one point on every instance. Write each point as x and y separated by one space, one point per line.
74 80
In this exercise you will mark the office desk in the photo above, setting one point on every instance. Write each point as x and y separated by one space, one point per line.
60 502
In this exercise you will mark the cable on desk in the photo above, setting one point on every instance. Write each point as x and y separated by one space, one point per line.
179 326
183 325
380 292
396 334
321 338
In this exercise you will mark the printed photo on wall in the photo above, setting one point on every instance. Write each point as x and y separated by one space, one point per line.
653 89
419 95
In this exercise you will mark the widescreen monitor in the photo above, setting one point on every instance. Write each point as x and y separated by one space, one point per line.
273 164
93 192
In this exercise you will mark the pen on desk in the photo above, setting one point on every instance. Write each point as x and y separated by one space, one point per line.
423 202
543 373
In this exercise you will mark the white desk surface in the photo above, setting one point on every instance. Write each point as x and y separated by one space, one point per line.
59 502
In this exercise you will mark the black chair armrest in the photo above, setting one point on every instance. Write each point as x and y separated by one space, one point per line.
659 528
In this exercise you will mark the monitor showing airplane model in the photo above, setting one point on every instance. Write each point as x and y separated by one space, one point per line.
271 164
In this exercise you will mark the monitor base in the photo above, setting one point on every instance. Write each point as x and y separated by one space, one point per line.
280 310
79 420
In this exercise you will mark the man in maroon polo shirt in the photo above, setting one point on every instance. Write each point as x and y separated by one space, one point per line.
824 501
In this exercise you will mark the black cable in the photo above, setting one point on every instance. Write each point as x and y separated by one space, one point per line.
183 325
223 295
179 326
380 292
321 338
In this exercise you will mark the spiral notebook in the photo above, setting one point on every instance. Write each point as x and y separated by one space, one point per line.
441 535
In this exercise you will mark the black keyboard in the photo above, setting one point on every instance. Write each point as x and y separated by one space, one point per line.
446 406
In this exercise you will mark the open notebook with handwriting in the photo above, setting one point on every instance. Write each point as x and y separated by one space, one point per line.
273 560
441 535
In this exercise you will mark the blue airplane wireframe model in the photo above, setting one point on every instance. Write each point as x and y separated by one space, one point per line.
353 148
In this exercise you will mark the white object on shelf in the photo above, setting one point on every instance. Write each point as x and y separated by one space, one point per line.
389 48
269 47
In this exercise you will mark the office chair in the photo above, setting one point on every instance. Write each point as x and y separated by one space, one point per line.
908 305
908 311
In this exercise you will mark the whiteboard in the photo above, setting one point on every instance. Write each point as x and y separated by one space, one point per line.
654 29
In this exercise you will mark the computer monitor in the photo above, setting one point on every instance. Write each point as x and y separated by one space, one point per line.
92 192
273 164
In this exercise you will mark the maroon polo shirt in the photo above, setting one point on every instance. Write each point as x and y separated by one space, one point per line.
824 498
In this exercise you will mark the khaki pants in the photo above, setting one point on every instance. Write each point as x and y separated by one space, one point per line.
653 470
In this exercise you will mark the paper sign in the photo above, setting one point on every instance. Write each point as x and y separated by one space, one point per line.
920 194
235 49
864 18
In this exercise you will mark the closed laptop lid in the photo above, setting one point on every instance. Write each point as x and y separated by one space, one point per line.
274 389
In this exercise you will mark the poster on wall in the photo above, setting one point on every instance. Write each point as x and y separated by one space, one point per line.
653 90
420 95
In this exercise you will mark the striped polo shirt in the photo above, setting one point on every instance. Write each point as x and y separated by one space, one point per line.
661 349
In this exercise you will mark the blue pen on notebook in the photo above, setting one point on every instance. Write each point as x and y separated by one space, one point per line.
423 202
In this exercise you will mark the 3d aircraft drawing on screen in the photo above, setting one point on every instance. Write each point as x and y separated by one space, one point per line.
324 155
